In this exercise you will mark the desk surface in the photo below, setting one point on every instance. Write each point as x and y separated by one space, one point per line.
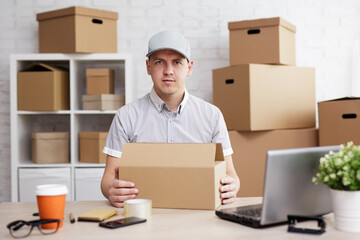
164 224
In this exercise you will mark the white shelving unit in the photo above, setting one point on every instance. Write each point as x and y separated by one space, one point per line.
23 123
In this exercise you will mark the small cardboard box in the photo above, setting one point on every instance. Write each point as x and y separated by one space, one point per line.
250 150
339 121
99 81
265 97
91 146
50 147
269 40
77 30
43 88
103 101
175 175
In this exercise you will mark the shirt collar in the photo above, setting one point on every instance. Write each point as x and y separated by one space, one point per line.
160 104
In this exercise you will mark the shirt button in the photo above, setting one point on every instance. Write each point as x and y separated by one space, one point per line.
171 141
170 120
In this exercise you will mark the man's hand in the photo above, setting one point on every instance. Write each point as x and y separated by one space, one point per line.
228 190
120 190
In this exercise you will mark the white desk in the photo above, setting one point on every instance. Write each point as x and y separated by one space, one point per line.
164 224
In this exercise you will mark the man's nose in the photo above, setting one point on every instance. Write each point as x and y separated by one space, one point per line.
168 70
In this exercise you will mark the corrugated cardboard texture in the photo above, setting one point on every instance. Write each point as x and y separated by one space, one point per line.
265 97
77 30
91 146
43 88
250 150
103 101
171 174
270 41
50 147
339 121
99 81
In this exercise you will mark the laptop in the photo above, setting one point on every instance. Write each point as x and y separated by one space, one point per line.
288 189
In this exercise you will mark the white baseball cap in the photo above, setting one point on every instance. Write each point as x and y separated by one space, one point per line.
169 39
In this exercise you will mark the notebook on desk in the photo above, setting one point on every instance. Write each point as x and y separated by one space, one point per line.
288 189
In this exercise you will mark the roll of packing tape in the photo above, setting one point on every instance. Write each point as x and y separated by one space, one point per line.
137 208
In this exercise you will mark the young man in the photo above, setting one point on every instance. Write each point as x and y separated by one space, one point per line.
167 114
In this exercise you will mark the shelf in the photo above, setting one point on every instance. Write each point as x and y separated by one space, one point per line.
74 120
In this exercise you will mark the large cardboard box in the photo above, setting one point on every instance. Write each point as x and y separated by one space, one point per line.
265 97
77 30
91 146
339 121
175 175
43 88
50 147
270 40
103 101
250 149
99 81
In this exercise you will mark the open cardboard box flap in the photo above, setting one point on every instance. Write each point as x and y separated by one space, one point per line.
171 155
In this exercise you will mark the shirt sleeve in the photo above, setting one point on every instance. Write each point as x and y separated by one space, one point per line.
117 135
221 134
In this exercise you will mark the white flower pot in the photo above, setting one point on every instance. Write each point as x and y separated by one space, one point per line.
346 206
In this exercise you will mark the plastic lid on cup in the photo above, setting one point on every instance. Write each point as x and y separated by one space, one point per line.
51 190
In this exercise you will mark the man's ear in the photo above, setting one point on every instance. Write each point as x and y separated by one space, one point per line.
148 66
190 68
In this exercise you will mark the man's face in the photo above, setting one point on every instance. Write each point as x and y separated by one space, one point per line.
168 70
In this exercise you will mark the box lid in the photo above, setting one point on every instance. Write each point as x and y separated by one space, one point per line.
263 22
50 135
41 67
76 10
98 71
341 99
104 97
93 135
171 154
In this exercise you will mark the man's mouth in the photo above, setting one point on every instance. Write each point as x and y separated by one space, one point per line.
168 80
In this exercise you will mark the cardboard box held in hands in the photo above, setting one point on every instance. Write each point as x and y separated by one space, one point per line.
175 175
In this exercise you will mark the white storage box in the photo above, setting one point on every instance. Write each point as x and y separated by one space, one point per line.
29 178
87 184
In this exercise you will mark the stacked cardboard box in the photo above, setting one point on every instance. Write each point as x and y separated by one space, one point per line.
267 101
339 121
100 90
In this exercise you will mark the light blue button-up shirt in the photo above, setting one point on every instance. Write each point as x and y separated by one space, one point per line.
148 119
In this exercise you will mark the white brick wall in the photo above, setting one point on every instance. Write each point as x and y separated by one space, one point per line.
326 31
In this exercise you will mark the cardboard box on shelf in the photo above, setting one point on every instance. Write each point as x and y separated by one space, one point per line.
268 40
43 88
103 101
265 97
170 174
99 81
250 149
91 146
339 121
77 30
50 147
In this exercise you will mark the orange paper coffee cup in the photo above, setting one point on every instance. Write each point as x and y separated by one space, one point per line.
51 203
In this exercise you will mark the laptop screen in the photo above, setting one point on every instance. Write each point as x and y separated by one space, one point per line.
288 187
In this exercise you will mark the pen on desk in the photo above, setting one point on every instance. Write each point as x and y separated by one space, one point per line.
72 219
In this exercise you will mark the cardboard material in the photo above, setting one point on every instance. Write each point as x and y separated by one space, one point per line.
175 175
77 30
269 40
91 146
50 147
103 101
43 88
339 121
99 81
265 97
250 150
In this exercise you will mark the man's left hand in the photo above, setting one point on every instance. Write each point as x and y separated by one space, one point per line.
228 190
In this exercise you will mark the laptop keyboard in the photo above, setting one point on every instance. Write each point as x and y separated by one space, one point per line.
253 212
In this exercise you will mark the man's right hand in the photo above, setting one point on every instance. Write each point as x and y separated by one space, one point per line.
120 191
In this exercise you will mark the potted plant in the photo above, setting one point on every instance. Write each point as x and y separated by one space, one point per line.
340 171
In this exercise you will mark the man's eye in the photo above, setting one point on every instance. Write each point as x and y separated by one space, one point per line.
177 62
158 62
